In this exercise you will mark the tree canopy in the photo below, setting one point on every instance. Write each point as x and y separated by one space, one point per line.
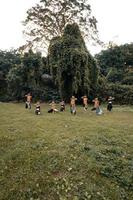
116 63
49 18
116 73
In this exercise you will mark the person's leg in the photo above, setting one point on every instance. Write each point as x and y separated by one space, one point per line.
74 110
71 110
61 109
110 107
29 105
97 110
85 107
39 112
100 111
55 110
50 111
26 105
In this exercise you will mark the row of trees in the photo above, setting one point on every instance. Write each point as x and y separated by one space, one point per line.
69 69
116 64
116 72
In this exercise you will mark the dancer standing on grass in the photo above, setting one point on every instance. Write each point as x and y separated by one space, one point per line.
97 106
73 105
28 101
85 102
110 106
38 108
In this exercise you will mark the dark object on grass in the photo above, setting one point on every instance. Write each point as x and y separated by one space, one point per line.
93 109
26 105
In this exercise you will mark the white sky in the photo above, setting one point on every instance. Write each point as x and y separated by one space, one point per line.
114 21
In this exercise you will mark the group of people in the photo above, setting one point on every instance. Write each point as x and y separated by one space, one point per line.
73 100
53 108
96 106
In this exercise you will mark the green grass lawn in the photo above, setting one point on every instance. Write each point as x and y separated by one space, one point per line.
64 157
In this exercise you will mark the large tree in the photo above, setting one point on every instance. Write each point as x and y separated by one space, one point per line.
48 19
71 65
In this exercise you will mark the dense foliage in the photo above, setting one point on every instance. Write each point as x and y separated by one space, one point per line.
69 69
71 65
116 63
20 74
116 73
8 60
26 76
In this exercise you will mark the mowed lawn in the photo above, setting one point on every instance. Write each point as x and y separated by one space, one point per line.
64 157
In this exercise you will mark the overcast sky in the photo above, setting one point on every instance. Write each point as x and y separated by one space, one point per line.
114 21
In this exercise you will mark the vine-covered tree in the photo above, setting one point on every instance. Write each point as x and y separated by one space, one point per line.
48 19
71 65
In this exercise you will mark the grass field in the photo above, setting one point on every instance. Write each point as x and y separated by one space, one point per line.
64 157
